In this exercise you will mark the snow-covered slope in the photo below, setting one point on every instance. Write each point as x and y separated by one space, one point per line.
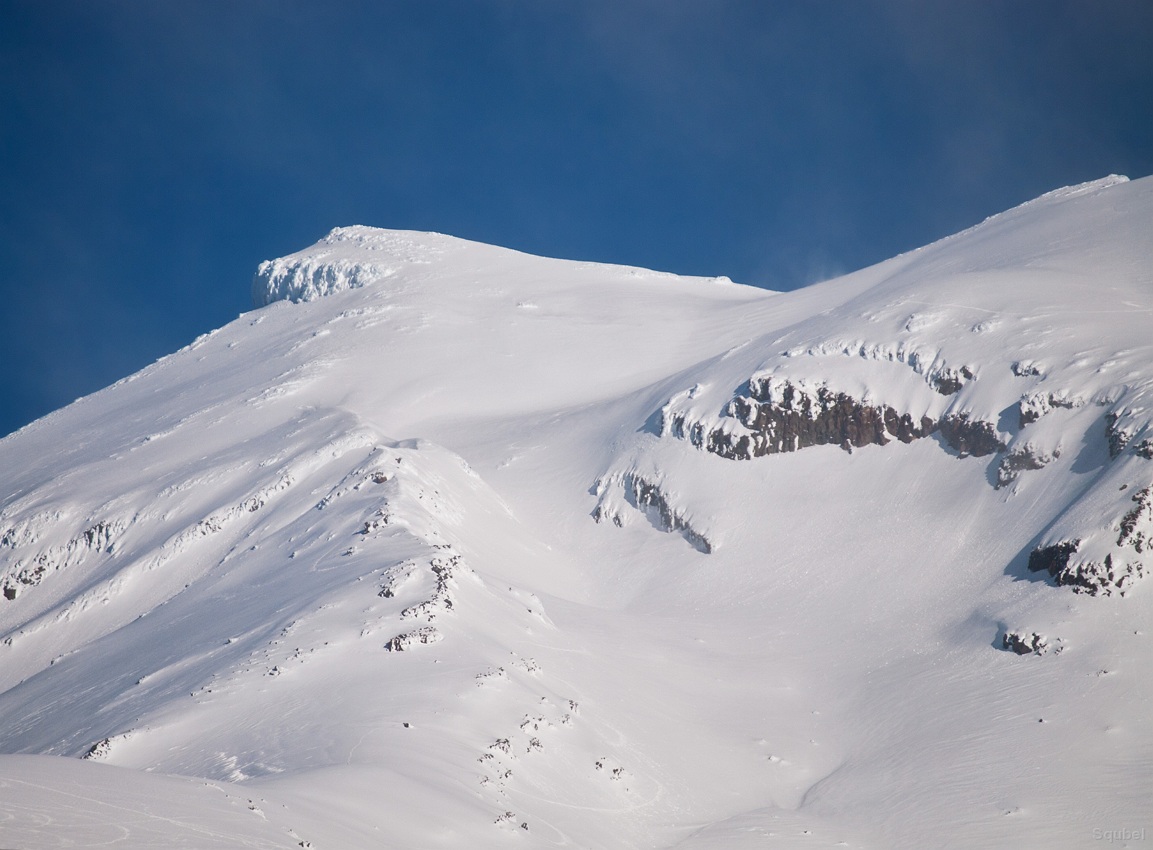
384 562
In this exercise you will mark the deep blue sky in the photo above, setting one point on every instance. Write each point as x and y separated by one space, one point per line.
152 153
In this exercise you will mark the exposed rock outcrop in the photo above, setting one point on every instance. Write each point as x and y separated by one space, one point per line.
422 636
1136 529
30 571
1027 643
784 415
648 497
1117 434
970 436
1022 458
1113 571
443 570
1034 405
950 381
1025 368
98 751
1054 558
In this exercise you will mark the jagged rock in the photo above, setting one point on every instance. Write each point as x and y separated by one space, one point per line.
99 750
395 577
1101 578
1053 559
1144 449
1096 577
1034 405
99 538
1024 643
443 570
968 436
26 576
1135 520
782 415
950 381
1117 435
793 416
649 495
378 521
1020 459
1025 368
418 637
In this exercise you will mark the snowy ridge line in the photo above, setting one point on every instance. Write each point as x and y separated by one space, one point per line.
400 517
444 569
1066 192
1054 195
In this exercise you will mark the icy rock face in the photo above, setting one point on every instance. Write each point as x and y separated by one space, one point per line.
347 258
647 496
31 565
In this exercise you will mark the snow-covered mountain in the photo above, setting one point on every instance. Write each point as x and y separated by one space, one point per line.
446 545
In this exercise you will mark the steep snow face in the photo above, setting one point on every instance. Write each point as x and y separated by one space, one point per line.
383 562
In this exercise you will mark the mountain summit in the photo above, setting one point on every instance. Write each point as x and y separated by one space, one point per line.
449 545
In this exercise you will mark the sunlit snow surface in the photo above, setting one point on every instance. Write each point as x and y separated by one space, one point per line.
333 575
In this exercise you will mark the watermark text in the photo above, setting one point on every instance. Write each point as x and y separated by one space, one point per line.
1111 835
